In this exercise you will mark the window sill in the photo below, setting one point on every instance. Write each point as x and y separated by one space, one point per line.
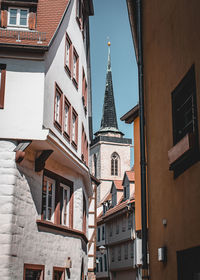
58 126
74 145
184 154
68 70
66 135
62 229
75 83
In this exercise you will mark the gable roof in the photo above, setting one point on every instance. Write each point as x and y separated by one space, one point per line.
130 175
119 207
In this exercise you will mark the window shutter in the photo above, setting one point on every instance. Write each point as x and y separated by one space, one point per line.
4 18
32 21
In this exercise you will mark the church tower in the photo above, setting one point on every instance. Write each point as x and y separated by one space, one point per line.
109 150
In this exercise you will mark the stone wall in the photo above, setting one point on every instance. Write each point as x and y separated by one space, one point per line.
21 240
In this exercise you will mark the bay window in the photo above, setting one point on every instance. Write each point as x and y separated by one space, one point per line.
48 199
57 199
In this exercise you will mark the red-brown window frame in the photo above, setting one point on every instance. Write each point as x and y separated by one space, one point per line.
60 180
3 82
84 214
84 91
68 68
34 267
84 147
79 13
67 134
76 79
56 268
59 91
75 143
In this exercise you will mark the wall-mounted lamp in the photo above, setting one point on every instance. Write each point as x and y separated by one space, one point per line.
102 249
162 254
164 221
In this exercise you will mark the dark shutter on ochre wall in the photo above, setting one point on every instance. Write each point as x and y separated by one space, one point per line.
32 21
4 18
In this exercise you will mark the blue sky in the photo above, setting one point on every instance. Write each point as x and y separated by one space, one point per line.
111 20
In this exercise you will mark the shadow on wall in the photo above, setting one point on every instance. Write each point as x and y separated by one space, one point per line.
32 182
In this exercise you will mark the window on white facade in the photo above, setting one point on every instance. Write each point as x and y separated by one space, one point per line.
74 127
18 17
58 107
115 164
75 67
68 54
48 199
64 209
56 199
67 116
111 229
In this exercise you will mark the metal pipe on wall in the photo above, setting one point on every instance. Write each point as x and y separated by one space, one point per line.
142 135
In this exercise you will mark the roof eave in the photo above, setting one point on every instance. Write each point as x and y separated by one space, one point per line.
131 115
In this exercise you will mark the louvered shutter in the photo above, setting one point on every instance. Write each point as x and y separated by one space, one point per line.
4 18
32 21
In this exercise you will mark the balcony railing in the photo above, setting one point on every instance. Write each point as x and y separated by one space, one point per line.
20 35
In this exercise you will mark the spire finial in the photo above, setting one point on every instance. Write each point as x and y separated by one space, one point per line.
109 60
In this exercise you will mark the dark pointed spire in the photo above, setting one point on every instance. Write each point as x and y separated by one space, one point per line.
109 118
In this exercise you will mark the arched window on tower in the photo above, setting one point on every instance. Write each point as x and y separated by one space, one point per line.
95 165
115 164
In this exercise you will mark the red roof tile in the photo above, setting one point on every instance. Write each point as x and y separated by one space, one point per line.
118 207
49 15
118 184
130 175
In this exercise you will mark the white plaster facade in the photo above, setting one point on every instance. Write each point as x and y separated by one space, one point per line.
28 115
103 151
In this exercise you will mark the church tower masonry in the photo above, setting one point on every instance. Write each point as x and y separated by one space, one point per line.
109 150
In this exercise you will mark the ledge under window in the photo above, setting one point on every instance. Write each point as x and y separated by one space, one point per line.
75 83
184 154
68 70
58 126
74 145
62 229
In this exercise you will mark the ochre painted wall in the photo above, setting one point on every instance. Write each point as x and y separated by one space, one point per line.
171 45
